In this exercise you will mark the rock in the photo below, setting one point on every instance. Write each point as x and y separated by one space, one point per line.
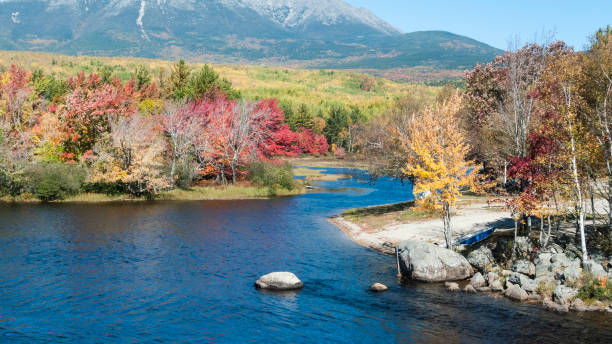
496 286
481 258
506 273
469 289
503 249
594 268
534 297
492 277
597 256
524 267
515 278
564 295
516 293
279 281
523 281
378 287
523 246
529 285
572 252
557 265
556 307
580 306
452 286
554 248
484 289
427 262
478 281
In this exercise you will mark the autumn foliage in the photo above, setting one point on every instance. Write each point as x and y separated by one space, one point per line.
127 134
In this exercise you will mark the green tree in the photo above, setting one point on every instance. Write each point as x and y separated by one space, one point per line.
337 124
106 73
206 83
179 75
142 75
303 118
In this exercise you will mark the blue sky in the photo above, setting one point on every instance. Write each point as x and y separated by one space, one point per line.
496 22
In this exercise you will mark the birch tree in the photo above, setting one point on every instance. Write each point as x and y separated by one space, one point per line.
438 161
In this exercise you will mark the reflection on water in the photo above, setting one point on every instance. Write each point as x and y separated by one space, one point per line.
184 271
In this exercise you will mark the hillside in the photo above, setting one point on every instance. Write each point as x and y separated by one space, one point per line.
311 87
297 33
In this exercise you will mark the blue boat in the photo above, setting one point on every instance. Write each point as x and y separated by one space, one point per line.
476 237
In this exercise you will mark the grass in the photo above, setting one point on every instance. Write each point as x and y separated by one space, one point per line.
357 162
316 175
311 87
417 214
229 192
196 193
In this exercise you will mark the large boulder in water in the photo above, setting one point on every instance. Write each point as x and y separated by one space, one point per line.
279 281
427 262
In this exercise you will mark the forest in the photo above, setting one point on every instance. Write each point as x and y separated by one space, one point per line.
536 125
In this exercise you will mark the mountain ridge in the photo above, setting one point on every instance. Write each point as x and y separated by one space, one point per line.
301 33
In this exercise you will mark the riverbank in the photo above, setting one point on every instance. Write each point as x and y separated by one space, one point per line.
552 274
195 193
350 161
382 229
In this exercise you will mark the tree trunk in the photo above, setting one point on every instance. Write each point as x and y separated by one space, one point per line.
173 169
528 225
233 172
448 235
505 173
592 208
541 231
548 235
514 242
610 205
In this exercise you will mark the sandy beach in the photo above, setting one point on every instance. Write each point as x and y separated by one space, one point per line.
384 232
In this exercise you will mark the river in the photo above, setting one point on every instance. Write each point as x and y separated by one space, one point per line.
184 272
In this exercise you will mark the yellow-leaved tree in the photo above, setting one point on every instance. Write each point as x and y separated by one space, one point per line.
437 161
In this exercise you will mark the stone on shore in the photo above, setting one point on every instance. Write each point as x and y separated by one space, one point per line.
492 277
478 281
515 292
469 289
523 281
427 262
481 258
523 246
594 268
563 295
279 281
496 285
378 287
524 267
555 307
452 286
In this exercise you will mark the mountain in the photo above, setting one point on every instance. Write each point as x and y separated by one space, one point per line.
306 33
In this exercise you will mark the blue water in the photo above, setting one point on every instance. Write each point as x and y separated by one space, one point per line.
184 272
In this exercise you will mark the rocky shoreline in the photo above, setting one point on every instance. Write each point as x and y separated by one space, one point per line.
553 276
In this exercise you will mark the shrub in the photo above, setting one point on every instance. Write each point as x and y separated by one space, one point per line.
271 175
596 289
52 181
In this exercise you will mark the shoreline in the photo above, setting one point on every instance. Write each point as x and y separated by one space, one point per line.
382 227
384 239
353 231
211 193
